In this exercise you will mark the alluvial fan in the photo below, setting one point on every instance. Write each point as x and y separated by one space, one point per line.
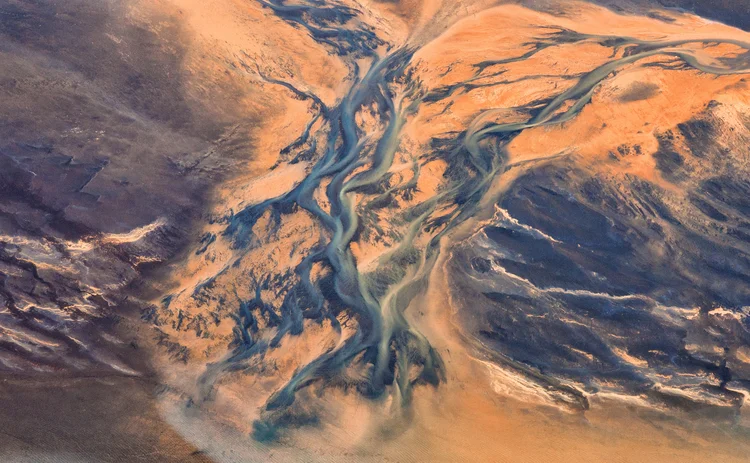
382 230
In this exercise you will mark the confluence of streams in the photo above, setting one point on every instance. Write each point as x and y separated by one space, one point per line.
353 161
